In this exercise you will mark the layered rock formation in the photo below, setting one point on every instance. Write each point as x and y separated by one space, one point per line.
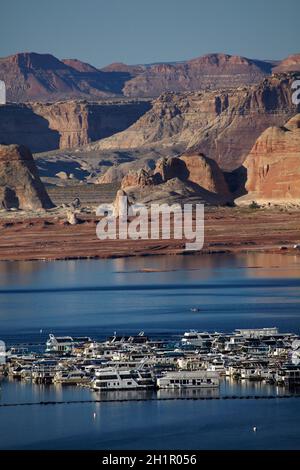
140 179
125 161
43 77
66 124
173 191
192 177
221 124
290 64
21 125
31 76
206 173
20 185
211 71
273 165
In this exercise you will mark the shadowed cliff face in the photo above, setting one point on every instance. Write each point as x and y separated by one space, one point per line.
220 124
19 124
45 127
20 184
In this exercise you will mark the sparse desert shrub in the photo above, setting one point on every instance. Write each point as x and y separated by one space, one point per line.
254 205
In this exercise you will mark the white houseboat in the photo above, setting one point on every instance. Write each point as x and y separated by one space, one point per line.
195 338
189 379
64 344
122 379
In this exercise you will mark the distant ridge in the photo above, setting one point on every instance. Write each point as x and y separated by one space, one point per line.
30 76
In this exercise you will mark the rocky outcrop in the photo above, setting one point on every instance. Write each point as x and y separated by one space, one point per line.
116 173
206 173
290 64
173 191
273 165
140 178
117 204
72 218
20 185
168 168
195 168
135 160
222 124
211 71
187 177
66 124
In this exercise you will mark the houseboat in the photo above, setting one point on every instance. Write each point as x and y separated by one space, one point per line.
64 344
71 377
197 339
122 379
189 379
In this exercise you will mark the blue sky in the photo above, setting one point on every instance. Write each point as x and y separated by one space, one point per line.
145 31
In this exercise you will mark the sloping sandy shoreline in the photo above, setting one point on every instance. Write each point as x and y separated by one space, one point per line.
226 230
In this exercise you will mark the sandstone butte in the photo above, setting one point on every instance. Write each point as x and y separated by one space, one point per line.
186 178
20 184
206 173
273 165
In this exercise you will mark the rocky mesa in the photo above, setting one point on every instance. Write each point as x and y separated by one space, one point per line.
211 71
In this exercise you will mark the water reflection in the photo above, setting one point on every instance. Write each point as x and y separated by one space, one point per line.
97 297
250 265
15 391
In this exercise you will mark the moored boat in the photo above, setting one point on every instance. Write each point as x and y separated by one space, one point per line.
122 379
72 377
189 379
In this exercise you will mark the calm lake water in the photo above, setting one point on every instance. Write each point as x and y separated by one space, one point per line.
154 294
